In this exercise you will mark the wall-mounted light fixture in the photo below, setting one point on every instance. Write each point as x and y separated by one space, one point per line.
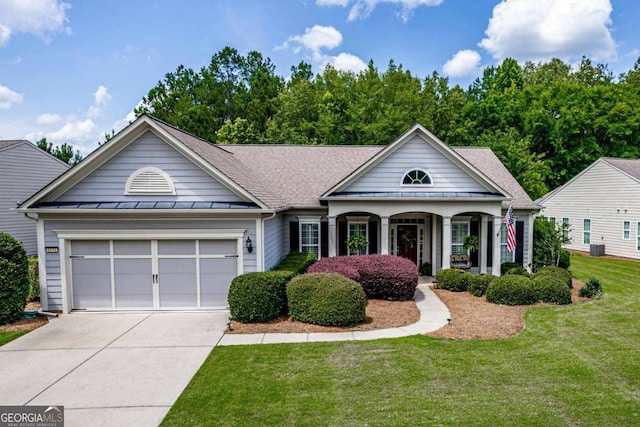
249 245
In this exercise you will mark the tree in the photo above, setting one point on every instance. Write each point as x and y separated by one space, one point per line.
548 239
63 152
240 131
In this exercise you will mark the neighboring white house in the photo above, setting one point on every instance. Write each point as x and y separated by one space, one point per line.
24 169
159 219
601 205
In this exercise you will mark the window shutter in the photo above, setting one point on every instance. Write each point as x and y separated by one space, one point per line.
294 236
373 237
342 238
490 244
520 242
324 239
474 231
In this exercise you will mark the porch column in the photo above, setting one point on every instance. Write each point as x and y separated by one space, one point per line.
384 235
484 223
446 242
497 226
434 244
332 236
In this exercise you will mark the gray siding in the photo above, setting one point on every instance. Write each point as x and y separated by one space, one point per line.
274 249
24 169
416 154
108 182
607 197
54 289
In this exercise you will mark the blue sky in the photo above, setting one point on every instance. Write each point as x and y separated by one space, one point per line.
73 70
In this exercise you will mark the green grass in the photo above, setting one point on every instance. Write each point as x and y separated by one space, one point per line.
573 365
5 337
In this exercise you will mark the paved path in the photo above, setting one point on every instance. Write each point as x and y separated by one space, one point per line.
115 369
433 315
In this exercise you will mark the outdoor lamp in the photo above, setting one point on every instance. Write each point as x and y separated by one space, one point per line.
249 245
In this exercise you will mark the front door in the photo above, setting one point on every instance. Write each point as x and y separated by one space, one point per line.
408 242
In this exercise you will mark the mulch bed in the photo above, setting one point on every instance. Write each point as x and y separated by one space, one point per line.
26 324
471 318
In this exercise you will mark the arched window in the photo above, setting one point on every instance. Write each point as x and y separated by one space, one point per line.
416 177
149 180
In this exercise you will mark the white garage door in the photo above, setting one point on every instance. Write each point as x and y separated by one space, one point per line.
152 274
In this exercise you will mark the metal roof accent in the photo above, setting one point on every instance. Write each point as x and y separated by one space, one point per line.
145 205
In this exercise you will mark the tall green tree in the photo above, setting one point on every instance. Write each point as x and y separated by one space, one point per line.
63 152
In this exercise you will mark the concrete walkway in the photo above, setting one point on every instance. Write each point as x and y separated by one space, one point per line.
111 369
433 315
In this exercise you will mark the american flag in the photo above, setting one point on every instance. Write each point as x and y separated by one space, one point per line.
511 230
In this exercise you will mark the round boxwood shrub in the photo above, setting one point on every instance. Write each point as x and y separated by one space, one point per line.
564 259
511 290
14 279
327 299
592 289
478 284
506 266
557 272
551 289
453 279
519 271
258 297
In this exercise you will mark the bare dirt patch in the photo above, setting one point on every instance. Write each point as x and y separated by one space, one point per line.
26 324
471 318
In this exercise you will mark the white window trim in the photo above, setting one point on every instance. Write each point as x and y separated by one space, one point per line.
584 231
638 236
402 184
358 220
128 190
310 220
566 227
503 232
626 230
468 232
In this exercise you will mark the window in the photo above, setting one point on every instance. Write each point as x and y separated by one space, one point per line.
626 230
149 181
638 237
505 255
310 238
416 177
459 230
586 231
361 228
565 228
552 220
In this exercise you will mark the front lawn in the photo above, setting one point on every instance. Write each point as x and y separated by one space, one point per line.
5 337
572 365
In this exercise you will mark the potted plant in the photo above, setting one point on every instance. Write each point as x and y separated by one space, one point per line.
470 243
357 244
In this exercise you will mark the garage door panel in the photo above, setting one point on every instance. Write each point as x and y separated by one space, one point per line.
176 247
90 247
177 282
91 283
132 247
133 284
215 278
218 247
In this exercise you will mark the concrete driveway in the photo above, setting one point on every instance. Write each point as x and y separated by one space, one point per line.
109 369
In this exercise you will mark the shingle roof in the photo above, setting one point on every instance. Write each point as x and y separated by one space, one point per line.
630 166
9 143
488 163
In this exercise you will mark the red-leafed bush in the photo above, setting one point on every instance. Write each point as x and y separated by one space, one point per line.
381 276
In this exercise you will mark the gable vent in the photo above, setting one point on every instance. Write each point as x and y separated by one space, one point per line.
149 181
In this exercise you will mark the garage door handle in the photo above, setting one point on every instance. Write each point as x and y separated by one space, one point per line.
76 256
231 256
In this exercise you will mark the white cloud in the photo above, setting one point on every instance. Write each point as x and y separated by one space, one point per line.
544 29
464 63
362 8
346 62
101 100
48 119
42 18
123 123
76 131
9 97
314 38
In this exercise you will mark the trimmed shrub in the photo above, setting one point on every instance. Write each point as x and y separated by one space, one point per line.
327 299
512 290
518 271
34 279
259 296
557 272
506 266
453 279
381 276
426 269
478 284
592 289
14 279
551 289
564 259
296 262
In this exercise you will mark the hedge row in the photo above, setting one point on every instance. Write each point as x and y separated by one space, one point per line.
14 279
296 262
381 276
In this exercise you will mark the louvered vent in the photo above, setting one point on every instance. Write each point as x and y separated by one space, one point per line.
149 181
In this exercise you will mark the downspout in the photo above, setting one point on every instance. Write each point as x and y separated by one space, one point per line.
273 215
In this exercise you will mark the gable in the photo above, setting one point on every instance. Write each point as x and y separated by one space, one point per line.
109 181
416 154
